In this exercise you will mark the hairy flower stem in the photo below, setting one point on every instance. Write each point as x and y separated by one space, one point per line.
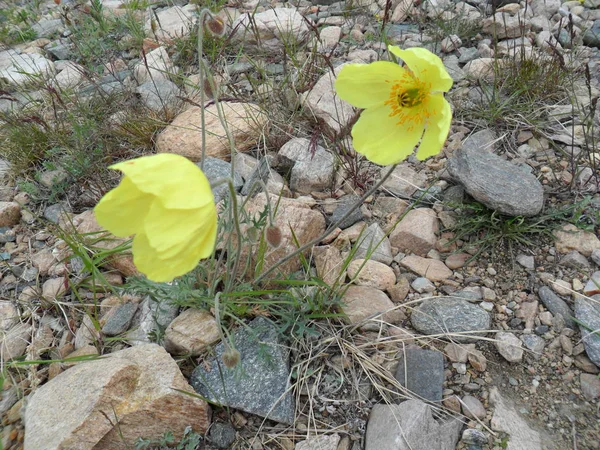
329 230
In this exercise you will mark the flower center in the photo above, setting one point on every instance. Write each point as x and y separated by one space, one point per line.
408 102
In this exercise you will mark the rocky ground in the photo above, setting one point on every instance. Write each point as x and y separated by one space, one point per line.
430 321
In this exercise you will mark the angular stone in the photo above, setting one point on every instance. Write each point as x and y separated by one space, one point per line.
472 407
324 103
324 442
587 312
361 302
404 180
9 315
191 332
14 341
151 317
497 183
10 214
270 31
18 69
590 386
160 96
111 402
570 238
575 259
534 343
307 224
345 204
216 169
170 23
313 166
374 243
400 290
119 320
409 426
556 305
592 287
504 25
509 346
422 373
451 316
432 269
259 383
329 264
458 352
155 66
184 135
506 419
372 274
417 232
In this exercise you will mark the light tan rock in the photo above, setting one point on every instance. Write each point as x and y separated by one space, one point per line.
54 288
432 269
329 264
43 260
307 224
191 333
417 232
9 315
400 290
570 238
86 334
107 404
157 65
457 260
14 341
246 123
324 442
504 25
10 214
361 302
480 69
171 23
403 181
372 274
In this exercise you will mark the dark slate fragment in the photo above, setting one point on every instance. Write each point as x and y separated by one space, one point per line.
422 373
587 312
118 322
497 183
346 203
216 169
556 305
259 383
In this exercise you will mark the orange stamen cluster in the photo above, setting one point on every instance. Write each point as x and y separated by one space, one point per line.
408 101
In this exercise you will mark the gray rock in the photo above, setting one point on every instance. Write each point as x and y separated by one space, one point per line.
422 285
259 174
53 212
47 27
59 51
151 318
221 435
447 315
313 165
21 68
9 398
422 373
346 203
403 181
467 54
118 322
481 140
534 343
591 37
587 312
409 426
259 383
507 419
556 305
596 256
474 439
160 96
497 183
592 287
374 241
509 346
454 195
527 261
216 169
575 259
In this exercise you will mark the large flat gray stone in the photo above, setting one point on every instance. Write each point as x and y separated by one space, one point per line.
422 372
259 383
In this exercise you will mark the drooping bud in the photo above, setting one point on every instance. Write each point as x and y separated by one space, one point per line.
274 236
214 25
231 357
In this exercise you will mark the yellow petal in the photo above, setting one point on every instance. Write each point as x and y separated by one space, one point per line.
170 231
437 128
123 209
177 181
379 137
426 66
157 268
366 85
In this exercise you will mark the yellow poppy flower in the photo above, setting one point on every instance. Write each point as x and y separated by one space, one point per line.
167 202
403 105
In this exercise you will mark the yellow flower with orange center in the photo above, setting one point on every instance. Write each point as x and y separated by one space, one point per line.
166 202
402 105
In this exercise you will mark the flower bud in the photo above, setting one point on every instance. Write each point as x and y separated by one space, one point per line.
274 236
231 357
215 25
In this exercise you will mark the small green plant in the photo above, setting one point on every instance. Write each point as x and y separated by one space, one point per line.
189 441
